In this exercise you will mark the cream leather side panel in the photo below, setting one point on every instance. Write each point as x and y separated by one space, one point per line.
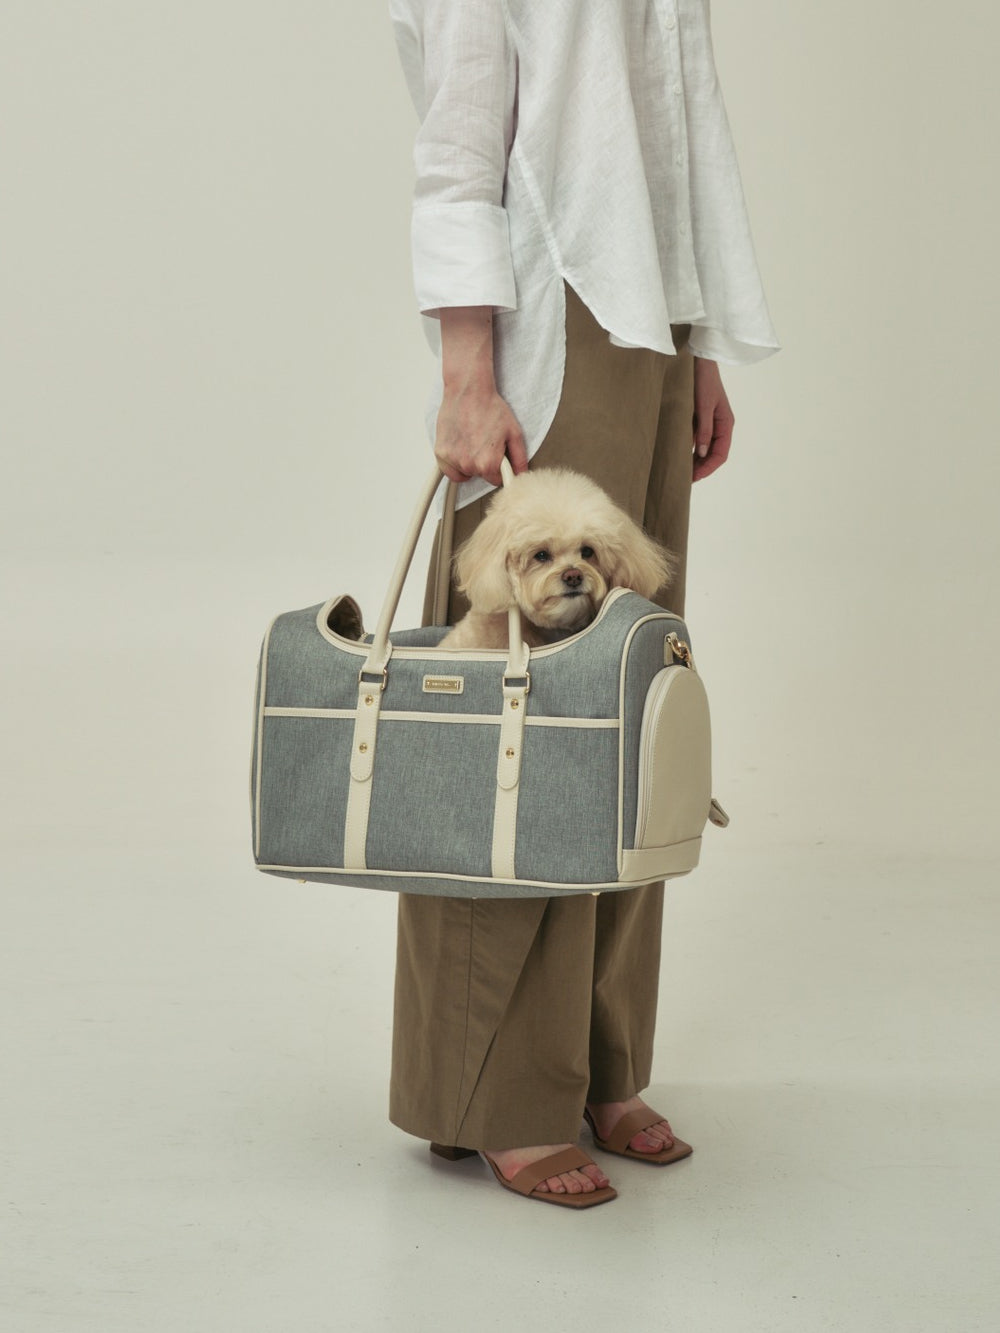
675 776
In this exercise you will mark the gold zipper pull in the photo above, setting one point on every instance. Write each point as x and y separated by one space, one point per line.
680 649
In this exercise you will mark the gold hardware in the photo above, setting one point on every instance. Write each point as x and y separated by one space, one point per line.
444 684
369 698
510 754
527 683
680 649
385 677
514 703
363 747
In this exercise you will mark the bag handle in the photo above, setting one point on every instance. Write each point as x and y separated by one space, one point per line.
376 663
439 610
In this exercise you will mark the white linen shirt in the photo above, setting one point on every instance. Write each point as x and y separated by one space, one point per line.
577 139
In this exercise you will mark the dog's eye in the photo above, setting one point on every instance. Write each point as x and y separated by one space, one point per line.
542 556
587 552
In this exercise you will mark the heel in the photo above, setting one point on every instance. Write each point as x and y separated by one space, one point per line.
452 1153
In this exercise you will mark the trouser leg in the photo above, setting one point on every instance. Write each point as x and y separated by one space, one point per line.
629 925
510 1013
625 983
666 508
490 1042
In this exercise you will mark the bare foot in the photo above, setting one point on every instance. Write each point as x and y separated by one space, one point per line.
607 1114
579 1181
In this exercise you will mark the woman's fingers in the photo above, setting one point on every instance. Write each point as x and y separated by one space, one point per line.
517 452
713 419
474 432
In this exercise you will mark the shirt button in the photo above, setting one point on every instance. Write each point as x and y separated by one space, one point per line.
677 90
679 159
671 21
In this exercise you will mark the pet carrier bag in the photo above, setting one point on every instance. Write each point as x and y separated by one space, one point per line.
576 767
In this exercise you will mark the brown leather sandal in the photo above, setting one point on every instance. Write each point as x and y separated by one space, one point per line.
528 1177
629 1125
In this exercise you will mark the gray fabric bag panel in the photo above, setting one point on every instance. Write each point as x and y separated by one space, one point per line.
434 783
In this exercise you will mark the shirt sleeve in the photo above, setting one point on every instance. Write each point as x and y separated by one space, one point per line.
462 76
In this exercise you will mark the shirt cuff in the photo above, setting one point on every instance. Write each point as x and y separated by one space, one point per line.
461 257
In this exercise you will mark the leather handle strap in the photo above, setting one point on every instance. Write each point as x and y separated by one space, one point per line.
446 542
381 648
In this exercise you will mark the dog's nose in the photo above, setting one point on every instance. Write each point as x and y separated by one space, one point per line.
572 578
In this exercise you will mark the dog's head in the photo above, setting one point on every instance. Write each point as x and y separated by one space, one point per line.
554 543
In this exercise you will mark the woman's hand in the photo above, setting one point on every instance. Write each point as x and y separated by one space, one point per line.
475 426
713 419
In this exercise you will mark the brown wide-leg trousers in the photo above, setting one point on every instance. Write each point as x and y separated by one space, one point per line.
511 1013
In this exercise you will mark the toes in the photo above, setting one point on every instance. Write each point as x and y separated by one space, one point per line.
654 1139
595 1174
570 1182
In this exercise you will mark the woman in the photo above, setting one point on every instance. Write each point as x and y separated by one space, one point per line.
583 263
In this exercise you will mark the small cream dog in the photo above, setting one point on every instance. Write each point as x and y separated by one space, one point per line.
554 543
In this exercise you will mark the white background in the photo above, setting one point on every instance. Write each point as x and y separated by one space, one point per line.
211 403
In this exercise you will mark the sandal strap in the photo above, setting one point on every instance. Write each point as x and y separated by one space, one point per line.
630 1124
535 1172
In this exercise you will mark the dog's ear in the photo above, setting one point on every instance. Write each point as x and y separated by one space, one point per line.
639 563
481 567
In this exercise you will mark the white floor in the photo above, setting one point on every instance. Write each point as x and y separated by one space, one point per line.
194 1094
198 1138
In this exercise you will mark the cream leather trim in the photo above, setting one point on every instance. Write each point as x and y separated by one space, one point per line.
400 715
504 833
365 730
457 654
511 737
652 862
359 801
515 701
261 712
362 764
640 877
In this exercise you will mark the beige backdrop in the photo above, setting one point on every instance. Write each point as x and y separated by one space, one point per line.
213 380
214 383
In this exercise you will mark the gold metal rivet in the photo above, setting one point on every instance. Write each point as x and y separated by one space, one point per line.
363 747
513 703
510 754
369 699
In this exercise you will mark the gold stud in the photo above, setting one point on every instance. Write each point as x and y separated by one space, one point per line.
510 754
363 747
513 703
369 699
